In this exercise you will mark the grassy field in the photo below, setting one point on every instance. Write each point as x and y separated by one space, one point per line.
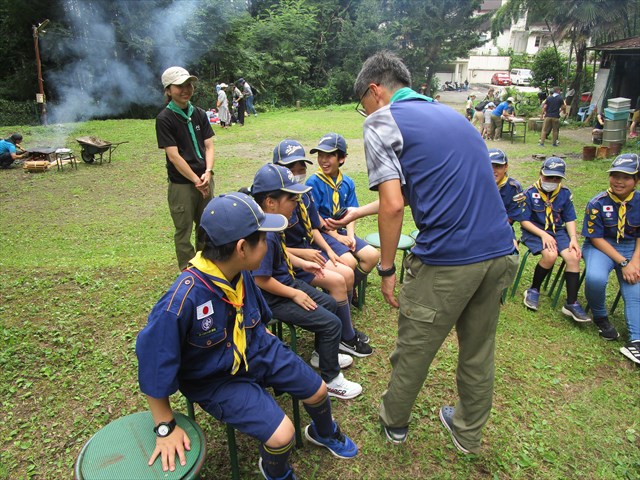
85 255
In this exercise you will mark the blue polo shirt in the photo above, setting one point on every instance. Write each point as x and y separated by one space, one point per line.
499 110
273 264
513 199
7 147
448 182
296 234
189 335
562 206
323 194
601 218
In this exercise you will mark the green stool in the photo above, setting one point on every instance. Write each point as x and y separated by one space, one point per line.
122 449
558 280
405 243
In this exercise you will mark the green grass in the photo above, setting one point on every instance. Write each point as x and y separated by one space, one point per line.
85 255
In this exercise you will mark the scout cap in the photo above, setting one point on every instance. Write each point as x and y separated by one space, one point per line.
330 143
498 157
288 152
176 76
625 163
276 177
554 167
232 216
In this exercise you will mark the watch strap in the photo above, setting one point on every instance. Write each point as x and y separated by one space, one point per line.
170 425
386 272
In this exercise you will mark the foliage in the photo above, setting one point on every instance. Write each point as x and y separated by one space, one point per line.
528 105
517 60
548 69
17 113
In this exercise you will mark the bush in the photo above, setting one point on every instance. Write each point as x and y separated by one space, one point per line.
18 113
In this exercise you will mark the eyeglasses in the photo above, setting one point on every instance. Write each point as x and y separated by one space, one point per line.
359 108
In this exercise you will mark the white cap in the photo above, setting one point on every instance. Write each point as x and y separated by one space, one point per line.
176 76
223 85
510 99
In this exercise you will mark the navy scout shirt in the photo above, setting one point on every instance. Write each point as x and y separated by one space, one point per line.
601 218
562 206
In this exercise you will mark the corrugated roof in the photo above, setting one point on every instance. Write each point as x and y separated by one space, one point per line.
632 43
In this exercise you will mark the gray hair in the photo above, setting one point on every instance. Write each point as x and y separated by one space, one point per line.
383 68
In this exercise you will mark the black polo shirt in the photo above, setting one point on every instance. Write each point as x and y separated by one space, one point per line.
554 103
172 131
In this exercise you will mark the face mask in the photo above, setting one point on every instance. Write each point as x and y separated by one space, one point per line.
300 178
548 186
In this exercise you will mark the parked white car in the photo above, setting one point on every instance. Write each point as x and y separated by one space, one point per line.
521 76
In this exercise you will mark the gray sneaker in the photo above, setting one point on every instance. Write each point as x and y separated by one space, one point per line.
446 417
396 435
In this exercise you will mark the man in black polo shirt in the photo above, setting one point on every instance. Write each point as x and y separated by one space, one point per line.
551 109
185 134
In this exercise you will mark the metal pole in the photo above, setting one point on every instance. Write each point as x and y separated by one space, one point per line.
43 111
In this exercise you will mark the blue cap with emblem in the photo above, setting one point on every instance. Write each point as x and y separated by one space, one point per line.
554 167
233 216
276 177
498 157
330 143
288 152
625 163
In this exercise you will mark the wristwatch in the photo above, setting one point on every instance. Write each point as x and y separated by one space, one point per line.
210 170
624 262
386 272
164 429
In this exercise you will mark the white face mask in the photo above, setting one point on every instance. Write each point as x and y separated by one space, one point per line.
300 178
548 186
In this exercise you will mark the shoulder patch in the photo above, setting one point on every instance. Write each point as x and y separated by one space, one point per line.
519 197
180 294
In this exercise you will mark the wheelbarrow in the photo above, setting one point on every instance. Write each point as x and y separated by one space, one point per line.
92 146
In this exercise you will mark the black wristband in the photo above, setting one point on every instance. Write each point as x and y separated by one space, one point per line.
386 272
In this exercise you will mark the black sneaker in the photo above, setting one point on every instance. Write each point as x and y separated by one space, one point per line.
606 330
364 338
355 347
396 435
632 351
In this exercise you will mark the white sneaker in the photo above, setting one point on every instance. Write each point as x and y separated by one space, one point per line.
345 361
342 388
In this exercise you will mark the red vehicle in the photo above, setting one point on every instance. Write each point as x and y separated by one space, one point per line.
501 78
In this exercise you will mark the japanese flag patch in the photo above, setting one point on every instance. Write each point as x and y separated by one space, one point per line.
535 195
205 310
607 208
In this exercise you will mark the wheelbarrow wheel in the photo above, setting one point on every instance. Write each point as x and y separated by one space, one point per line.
87 157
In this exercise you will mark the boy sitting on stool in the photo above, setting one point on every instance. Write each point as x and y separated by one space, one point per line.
207 337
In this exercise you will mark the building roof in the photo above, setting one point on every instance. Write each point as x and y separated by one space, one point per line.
625 44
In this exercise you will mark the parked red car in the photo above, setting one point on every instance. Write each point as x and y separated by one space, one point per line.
501 78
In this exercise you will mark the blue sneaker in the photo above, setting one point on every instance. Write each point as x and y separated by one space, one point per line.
446 417
338 444
287 476
575 311
531 298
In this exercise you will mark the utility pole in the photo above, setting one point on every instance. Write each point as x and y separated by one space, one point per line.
37 30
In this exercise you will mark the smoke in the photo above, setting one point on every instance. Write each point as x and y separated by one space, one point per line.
105 77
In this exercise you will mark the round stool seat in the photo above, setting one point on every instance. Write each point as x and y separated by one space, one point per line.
122 449
404 243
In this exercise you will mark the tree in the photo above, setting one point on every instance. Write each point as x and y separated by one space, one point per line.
548 69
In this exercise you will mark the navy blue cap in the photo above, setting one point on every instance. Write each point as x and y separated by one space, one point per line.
626 163
331 142
288 152
233 216
554 167
276 177
498 157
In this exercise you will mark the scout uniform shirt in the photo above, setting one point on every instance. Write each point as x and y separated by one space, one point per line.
601 218
513 199
562 206
296 233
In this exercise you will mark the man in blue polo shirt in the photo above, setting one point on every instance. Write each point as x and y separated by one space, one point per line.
9 150
499 114
464 241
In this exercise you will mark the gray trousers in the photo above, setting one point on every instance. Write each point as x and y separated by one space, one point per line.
433 300
186 205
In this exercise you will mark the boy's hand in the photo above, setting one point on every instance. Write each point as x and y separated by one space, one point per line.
303 300
333 257
575 247
313 267
548 242
168 447
312 255
348 241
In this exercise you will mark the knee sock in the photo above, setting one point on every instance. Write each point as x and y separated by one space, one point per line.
572 279
320 413
344 314
275 461
539 274
358 275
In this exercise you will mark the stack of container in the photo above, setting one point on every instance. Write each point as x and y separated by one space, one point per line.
615 120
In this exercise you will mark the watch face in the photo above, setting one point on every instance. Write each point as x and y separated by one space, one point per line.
163 430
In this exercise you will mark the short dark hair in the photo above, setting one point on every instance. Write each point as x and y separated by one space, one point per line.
275 194
383 68
224 252
16 137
